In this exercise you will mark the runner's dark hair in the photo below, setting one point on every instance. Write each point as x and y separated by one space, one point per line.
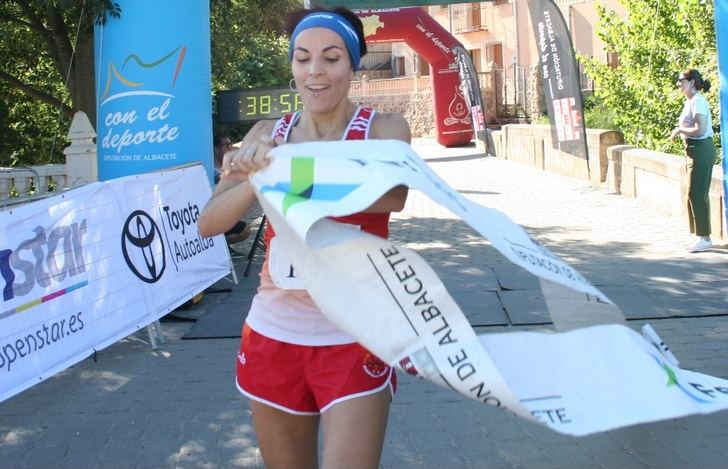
295 17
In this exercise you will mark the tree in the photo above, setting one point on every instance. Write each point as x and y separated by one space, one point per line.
248 54
59 32
47 72
47 64
654 42
248 47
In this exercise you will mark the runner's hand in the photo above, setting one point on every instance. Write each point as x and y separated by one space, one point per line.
250 157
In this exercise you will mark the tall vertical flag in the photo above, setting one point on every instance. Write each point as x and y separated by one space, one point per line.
471 91
561 86
721 32
153 88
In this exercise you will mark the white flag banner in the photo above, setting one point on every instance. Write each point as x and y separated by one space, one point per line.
89 266
389 299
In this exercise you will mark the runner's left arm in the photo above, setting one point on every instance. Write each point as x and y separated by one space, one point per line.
390 127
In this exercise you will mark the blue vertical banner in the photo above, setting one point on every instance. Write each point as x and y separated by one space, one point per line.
721 32
153 88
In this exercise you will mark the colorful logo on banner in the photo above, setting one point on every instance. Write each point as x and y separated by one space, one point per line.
153 88
371 24
302 188
45 260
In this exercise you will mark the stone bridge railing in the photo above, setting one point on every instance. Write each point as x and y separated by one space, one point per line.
21 184
658 180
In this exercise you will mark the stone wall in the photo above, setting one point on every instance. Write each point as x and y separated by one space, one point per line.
661 181
656 179
417 109
531 144
374 74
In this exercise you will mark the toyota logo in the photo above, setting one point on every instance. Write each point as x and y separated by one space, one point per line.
143 248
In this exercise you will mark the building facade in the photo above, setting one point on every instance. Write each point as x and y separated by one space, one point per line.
499 35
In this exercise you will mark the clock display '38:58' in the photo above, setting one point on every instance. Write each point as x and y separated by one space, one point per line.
252 105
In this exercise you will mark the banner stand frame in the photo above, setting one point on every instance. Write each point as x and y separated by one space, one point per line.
257 243
154 331
233 274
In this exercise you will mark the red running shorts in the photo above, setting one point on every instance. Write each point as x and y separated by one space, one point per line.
307 380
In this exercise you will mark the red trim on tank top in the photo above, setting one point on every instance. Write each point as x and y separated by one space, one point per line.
357 129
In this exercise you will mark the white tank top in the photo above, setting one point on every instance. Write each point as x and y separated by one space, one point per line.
282 309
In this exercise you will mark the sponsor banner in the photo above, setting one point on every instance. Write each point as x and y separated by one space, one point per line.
153 88
85 268
561 85
721 33
578 382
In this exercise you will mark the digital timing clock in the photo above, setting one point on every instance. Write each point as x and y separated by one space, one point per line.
235 106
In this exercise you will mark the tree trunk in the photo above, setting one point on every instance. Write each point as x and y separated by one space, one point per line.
84 91
38 94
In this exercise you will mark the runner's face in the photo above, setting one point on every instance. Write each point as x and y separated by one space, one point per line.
322 69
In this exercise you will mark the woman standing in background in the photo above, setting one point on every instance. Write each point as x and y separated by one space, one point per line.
695 127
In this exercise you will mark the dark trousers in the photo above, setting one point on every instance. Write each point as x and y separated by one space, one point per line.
701 158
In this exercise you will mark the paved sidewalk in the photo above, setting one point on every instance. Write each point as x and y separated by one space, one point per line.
178 407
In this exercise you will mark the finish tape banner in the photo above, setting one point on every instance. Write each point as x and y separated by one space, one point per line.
84 269
586 380
153 88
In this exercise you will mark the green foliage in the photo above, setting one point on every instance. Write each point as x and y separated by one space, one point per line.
38 75
654 42
28 126
31 132
597 115
248 47
248 51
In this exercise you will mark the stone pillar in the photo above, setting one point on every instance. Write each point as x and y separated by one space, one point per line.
81 163
364 84
536 102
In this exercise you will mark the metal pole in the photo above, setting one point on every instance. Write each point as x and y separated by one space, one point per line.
515 29
515 90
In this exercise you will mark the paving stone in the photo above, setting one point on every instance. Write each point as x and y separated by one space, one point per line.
525 306
79 458
619 460
482 308
179 408
513 277
634 301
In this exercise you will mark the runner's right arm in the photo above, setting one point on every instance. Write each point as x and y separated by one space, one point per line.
233 196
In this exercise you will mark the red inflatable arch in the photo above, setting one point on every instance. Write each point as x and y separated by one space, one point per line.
425 35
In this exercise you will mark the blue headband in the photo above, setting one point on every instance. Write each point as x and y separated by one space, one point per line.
335 23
